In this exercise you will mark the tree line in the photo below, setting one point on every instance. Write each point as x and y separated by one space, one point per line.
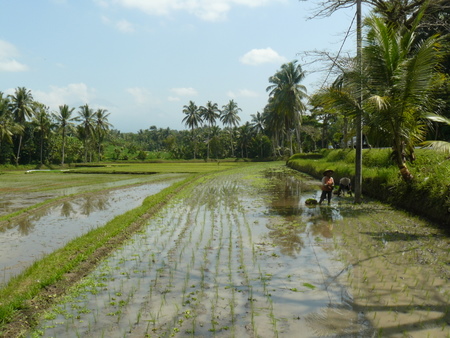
402 90
30 133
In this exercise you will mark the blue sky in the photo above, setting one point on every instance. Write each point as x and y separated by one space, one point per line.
143 60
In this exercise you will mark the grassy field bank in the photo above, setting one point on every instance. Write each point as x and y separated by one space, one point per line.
428 195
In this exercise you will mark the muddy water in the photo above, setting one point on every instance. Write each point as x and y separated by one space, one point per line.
27 238
242 256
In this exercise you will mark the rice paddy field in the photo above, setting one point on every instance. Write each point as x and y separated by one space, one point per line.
238 253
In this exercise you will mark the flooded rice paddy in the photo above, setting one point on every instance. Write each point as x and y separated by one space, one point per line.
241 255
29 237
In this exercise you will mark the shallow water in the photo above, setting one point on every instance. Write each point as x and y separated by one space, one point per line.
13 201
243 256
25 239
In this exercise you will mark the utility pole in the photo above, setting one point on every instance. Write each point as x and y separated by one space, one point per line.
358 159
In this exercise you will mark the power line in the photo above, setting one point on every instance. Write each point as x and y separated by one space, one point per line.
339 52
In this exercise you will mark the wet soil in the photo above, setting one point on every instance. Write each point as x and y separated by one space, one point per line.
242 255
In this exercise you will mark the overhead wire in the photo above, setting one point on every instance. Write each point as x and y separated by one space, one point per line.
339 52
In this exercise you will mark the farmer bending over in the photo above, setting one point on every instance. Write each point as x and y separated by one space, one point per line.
345 185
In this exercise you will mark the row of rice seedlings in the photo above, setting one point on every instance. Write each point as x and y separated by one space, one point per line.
126 275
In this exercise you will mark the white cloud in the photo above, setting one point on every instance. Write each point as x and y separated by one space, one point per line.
173 99
8 63
184 91
74 93
242 93
210 10
125 26
257 57
122 25
143 96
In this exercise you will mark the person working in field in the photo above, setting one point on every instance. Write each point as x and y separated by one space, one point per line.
345 186
327 186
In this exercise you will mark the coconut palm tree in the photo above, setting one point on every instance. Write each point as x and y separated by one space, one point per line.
245 138
64 121
101 127
22 109
257 125
8 127
229 114
209 113
229 117
42 125
86 132
286 95
398 74
192 119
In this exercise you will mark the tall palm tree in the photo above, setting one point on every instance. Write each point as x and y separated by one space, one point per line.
287 94
86 118
229 117
101 127
22 109
397 85
42 125
257 125
192 119
229 114
64 121
245 137
209 113
8 127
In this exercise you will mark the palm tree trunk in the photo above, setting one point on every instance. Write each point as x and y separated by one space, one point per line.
193 139
62 152
299 141
42 149
18 150
291 150
400 160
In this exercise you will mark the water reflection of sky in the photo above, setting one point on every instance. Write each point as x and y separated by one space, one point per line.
13 201
29 238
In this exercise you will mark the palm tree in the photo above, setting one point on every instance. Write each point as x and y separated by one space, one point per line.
209 113
101 127
245 137
229 117
42 125
86 117
192 119
64 121
257 125
286 95
8 127
229 114
397 85
22 109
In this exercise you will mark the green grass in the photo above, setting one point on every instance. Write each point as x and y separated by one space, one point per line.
159 167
